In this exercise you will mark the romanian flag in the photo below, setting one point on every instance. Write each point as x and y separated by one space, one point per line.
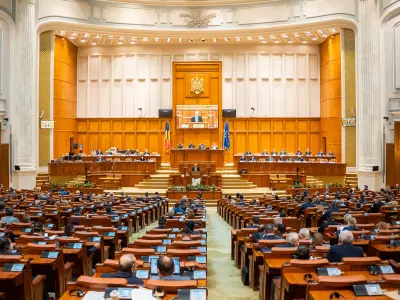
167 138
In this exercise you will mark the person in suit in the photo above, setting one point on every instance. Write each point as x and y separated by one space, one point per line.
308 152
147 153
142 158
281 230
248 153
345 248
283 152
265 152
243 158
302 253
290 159
308 203
274 153
9 218
292 240
266 234
6 247
126 269
69 231
256 222
325 224
320 153
196 117
162 222
270 158
317 239
195 168
299 159
376 206
330 153
202 146
281 158
109 211
253 158
180 146
191 146
165 268
298 152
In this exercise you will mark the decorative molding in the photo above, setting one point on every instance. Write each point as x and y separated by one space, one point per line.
197 20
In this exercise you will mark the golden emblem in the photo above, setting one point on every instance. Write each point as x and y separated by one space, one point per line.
197 85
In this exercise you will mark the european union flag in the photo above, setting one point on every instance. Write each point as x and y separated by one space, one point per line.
227 139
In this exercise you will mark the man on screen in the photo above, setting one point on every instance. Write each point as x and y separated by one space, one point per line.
196 117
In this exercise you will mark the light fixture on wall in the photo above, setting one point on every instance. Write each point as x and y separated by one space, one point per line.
252 113
4 122
140 112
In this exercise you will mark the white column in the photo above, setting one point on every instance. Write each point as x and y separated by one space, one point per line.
369 134
24 120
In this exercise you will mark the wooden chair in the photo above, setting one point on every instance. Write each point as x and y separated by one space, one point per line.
96 284
171 286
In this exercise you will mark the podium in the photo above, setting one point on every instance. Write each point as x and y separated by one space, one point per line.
198 125
195 174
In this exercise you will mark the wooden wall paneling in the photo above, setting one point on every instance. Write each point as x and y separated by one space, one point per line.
4 165
390 162
397 150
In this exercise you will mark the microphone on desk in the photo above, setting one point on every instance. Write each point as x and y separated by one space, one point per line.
336 295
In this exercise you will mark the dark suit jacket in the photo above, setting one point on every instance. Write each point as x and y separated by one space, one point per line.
261 236
285 245
196 168
132 279
200 119
336 253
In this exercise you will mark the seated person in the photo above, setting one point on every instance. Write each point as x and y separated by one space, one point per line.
147 153
267 234
281 230
318 239
178 209
253 158
381 226
298 152
109 211
320 153
248 153
304 234
2 206
100 159
37 229
171 214
180 146
265 152
283 152
6 247
9 218
330 153
26 218
214 146
165 268
69 231
202 146
270 158
376 206
191 146
195 167
256 222
126 269
243 158
142 158
290 158
329 221
186 235
191 226
345 248
351 225
196 117
302 252
292 240
308 152
308 203
269 208
299 159
274 153
281 159
162 222
277 220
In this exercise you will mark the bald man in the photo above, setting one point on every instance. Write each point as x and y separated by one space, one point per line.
165 267
126 269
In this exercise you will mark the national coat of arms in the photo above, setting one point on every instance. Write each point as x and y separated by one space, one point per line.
197 85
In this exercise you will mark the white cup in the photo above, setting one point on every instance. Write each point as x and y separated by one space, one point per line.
114 295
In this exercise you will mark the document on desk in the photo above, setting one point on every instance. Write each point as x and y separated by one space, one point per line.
393 295
142 294
94 296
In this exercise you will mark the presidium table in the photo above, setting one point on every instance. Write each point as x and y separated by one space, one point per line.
197 155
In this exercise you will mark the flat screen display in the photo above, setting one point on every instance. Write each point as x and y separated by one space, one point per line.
196 116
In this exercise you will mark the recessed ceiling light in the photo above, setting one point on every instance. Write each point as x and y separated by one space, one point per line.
156 39
333 30
237 39
72 37
272 37
297 34
260 37
249 38
75 34
203 39
308 33
304 42
110 37
94 44
132 42
314 39
86 35
226 39
191 40
62 32
83 41
264 42
98 36
168 40
324 35
284 35
121 38
290 42
180 40
276 42
214 40
120 43
145 39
